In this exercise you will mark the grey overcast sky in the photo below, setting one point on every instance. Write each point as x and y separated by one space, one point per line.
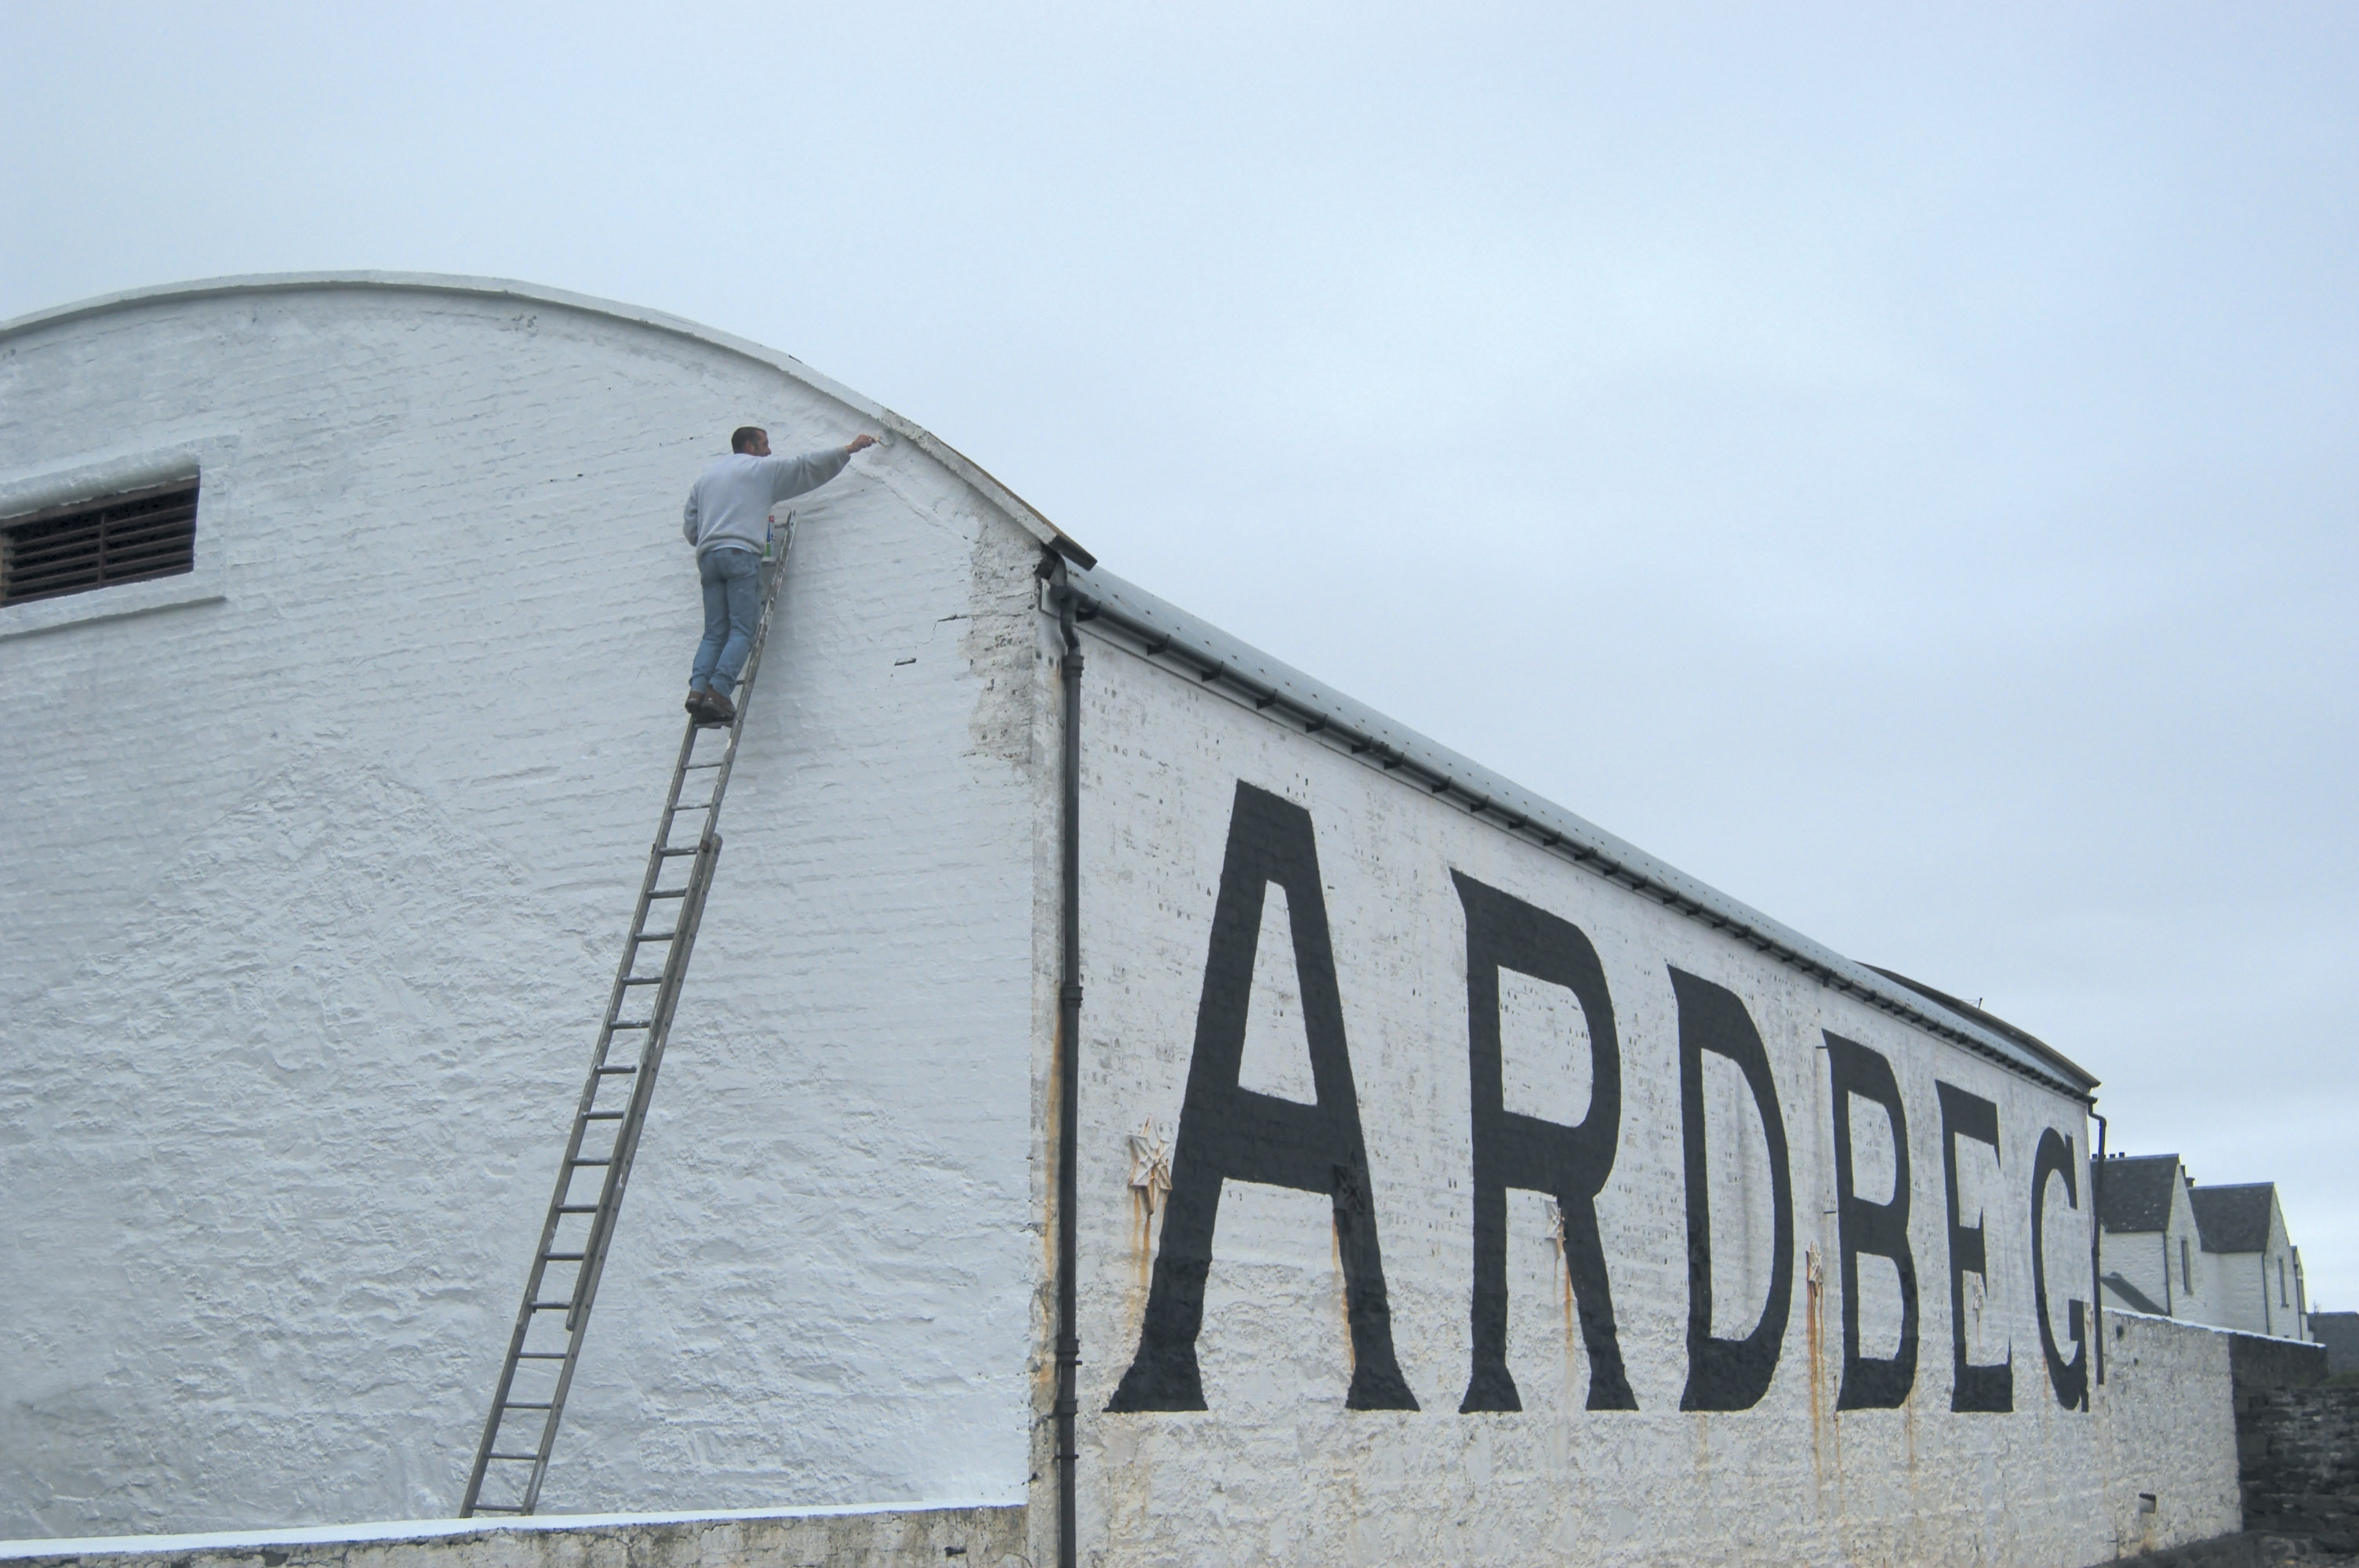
1897 462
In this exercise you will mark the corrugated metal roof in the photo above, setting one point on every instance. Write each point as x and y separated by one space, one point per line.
1179 640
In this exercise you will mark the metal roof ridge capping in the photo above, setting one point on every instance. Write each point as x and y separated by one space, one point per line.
1168 634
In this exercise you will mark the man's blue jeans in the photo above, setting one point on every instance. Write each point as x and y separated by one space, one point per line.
733 597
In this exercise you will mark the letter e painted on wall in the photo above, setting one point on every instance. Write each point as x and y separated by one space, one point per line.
1972 1388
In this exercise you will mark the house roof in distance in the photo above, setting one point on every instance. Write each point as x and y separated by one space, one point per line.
2134 1192
2234 1218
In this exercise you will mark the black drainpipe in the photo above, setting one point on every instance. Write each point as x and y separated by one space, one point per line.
1069 1078
2097 1230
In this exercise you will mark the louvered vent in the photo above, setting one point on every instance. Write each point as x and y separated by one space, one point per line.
123 538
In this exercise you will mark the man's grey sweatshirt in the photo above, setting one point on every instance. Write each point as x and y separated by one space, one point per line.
729 508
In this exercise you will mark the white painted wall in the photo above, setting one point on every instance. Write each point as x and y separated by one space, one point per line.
2166 1429
2169 1265
318 866
2255 1292
1276 1468
314 891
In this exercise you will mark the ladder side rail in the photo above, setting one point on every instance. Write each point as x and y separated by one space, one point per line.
626 1138
625 1150
621 1155
688 919
537 1275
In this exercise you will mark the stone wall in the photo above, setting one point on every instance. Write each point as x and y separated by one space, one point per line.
2166 1418
820 1538
2297 1444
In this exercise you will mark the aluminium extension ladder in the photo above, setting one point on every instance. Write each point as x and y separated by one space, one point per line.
579 1230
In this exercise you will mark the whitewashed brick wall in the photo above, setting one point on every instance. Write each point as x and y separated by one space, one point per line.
316 866
1276 1468
312 895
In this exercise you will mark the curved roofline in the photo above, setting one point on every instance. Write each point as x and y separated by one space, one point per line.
1017 509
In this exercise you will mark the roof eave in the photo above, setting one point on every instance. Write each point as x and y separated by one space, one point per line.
1016 509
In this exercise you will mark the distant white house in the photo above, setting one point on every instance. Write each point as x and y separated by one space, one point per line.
2216 1255
2255 1268
2151 1244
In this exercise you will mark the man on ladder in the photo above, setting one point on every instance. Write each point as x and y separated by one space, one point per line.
728 521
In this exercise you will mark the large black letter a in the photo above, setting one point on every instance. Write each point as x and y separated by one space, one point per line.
1511 1150
1228 1133
1730 1374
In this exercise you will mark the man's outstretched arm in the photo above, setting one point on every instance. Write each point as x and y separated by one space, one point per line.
795 476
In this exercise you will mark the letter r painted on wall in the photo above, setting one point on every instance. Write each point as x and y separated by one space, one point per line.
1511 1150
1230 1133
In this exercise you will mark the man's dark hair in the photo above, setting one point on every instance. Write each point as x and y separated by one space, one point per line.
743 438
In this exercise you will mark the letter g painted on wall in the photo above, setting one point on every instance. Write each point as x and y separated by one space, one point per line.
2055 1160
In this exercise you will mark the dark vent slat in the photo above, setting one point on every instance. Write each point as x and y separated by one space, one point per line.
131 539
67 549
151 527
167 544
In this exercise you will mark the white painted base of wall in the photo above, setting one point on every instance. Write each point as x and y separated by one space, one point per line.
911 1534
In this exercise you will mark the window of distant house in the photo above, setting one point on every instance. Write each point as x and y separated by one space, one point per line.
2186 1267
96 544
2281 1288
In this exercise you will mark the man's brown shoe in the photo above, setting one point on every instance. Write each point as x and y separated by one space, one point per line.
695 703
718 708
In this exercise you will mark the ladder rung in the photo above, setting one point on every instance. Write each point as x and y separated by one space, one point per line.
560 1257
604 1115
618 1069
500 1507
577 1208
552 1306
691 806
654 936
646 979
522 1405
669 853
540 1354
670 892
693 766
630 1024
600 1161
534 1457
